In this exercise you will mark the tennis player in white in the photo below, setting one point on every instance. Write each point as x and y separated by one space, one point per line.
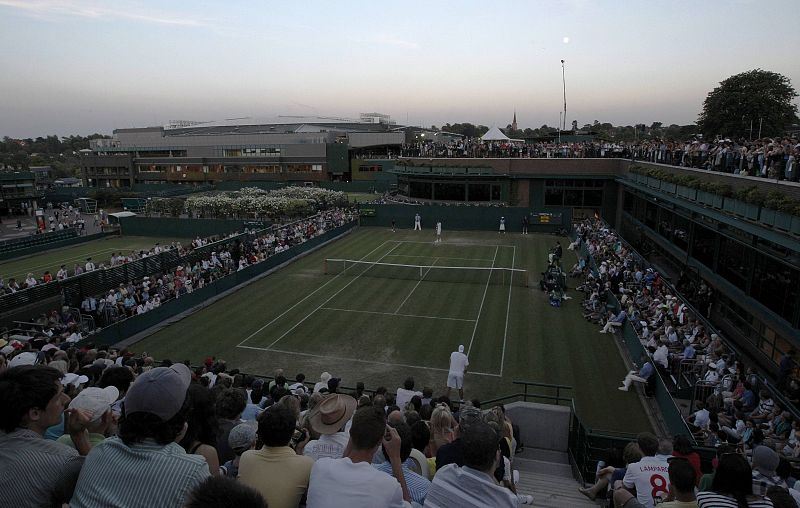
458 367
438 232
417 223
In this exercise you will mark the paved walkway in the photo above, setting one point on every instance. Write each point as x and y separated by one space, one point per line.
8 228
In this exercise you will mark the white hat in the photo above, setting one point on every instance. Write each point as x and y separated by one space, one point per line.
712 365
48 347
461 348
70 378
26 358
96 401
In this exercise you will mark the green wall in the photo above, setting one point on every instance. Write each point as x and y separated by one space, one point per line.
485 218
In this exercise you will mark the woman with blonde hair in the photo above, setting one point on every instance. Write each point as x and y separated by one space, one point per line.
442 428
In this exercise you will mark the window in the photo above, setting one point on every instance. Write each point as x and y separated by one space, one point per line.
449 191
703 245
422 190
479 192
775 285
735 262
251 152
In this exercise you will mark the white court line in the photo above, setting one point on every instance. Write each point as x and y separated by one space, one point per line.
480 309
287 332
416 286
307 296
438 257
457 244
396 314
339 358
64 261
508 308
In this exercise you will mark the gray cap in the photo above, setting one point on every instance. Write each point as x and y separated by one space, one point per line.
160 391
242 437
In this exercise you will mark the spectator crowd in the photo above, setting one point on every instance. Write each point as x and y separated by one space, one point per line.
101 427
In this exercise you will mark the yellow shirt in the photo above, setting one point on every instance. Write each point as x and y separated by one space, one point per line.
278 473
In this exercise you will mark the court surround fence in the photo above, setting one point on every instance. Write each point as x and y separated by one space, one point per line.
126 328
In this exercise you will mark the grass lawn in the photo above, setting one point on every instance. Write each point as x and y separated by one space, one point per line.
361 197
382 324
99 250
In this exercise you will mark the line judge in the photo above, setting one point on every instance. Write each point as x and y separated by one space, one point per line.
458 367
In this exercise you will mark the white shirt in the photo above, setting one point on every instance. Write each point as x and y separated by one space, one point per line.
458 362
404 396
702 419
327 446
339 483
438 228
661 356
650 476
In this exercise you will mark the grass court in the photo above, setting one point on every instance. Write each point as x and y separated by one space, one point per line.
99 250
379 324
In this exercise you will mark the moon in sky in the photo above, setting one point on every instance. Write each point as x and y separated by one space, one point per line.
566 40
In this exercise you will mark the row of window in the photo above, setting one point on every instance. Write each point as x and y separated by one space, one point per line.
251 152
451 191
774 282
222 169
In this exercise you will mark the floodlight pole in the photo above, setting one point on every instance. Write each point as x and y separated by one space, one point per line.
564 83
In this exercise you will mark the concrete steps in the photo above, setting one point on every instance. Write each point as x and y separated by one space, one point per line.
547 476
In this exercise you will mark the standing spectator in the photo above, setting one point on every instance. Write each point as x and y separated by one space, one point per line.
276 470
144 466
351 481
36 472
472 485
328 419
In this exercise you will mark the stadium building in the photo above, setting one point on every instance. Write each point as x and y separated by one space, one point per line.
293 153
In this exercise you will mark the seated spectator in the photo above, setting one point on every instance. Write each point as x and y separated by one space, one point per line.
682 448
276 470
615 321
405 393
453 453
351 481
417 485
241 439
765 465
230 405
96 403
609 475
681 488
221 492
648 477
35 471
328 419
144 465
642 376
732 486
473 484
200 437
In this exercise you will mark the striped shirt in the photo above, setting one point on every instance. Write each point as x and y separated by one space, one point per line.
146 475
467 488
714 500
417 484
35 471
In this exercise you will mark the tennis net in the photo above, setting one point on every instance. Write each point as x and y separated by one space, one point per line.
431 273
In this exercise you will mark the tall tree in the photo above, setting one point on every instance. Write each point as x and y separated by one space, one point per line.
761 97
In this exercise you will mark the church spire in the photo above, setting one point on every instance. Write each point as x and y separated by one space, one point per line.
514 122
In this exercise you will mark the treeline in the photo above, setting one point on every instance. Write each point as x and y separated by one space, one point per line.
603 130
61 153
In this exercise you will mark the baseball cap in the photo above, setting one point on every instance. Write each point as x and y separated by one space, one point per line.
160 391
70 378
96 401
242 437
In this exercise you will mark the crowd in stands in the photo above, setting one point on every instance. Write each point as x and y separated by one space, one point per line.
774 158
140 296
735 410
97 427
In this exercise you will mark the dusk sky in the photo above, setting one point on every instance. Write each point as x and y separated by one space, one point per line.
84 66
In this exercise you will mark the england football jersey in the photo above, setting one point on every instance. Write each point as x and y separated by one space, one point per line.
650 476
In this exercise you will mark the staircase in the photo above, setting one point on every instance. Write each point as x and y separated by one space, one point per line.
547 476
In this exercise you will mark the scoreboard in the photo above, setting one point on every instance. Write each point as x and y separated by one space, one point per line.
546 218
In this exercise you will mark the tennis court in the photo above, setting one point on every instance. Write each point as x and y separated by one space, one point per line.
379 321
417 284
